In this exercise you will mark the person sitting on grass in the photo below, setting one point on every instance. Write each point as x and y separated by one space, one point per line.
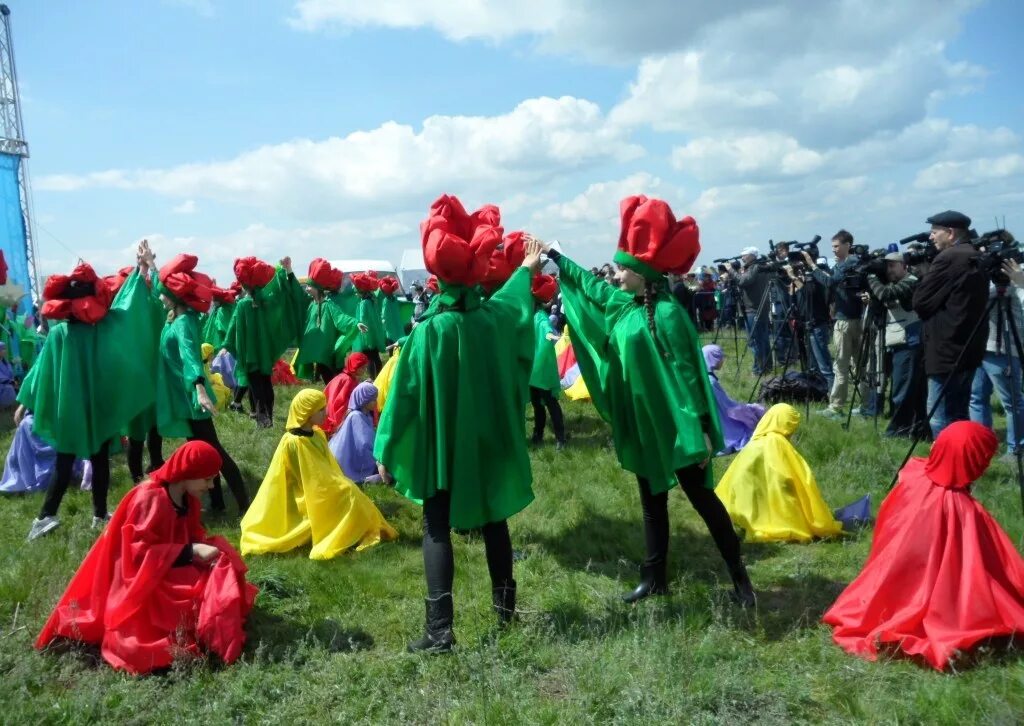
154 587
339 390
738 419
304 497
942 576
770 491
352 446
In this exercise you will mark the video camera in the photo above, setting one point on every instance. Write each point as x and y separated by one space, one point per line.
732 262
920 249
870 263
997 247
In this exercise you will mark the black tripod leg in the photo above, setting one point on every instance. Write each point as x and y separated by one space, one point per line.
1010 323
942 391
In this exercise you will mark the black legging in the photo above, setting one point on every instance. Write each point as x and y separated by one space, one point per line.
325 373
262 391
708 506
375 362
203 430
100 482
541 397
155 444
438 560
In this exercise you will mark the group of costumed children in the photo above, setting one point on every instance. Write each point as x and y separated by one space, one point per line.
451 400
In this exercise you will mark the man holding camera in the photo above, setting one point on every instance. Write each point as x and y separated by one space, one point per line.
844 283
753 283
1000 368
812 303
951 302
903 343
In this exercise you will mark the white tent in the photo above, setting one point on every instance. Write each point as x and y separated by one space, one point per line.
412 268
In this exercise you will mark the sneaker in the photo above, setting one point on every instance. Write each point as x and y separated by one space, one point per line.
100 522
42 526
831 413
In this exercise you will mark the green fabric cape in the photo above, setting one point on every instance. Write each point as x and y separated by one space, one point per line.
455 419
215 327
327 338
138 428
373 338
180 366
545 363
656 395
391 316
264 324
90 381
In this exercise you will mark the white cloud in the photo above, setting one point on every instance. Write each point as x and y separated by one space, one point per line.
455 19
752 157
952 175
392 165
186 207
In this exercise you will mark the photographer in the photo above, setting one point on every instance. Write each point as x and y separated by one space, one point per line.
951 301
781 298
1000 368
903 344
844 284
727 296
753 283
812 302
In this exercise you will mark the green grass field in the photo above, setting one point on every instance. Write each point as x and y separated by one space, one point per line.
326 640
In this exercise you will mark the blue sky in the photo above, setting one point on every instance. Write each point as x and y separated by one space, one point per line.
326 127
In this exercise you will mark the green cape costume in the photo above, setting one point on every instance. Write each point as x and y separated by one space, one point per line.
90 381
655 394
370 315
327 338
180 368
264 324
215 326
455 416
391 316
545 363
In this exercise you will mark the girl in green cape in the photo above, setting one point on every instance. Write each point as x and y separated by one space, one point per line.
372 339
463 455
76 389
641 359
545 385
329 331
184 398
267 321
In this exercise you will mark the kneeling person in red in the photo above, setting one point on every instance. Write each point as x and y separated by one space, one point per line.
942 575
155 587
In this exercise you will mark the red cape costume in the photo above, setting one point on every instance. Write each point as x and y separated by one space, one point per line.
339 390
942 576
131 597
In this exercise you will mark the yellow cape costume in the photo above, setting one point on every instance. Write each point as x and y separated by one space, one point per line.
304 496
221 391
384 378
770 491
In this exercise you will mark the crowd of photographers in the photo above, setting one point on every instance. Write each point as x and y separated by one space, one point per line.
941 321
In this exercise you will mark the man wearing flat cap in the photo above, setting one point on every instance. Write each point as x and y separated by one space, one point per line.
951 301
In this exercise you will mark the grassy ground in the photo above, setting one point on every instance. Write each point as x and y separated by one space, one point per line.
326 639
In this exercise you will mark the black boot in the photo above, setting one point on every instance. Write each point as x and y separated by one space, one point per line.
742 589
438 637
504 600
652 582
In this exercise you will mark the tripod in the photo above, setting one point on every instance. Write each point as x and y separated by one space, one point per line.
872 353
740 314
1006 330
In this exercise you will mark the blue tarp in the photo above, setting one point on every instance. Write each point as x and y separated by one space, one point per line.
12 227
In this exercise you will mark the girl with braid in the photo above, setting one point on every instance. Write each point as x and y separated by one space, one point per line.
641 359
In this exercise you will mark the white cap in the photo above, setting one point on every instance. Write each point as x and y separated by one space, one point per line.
750 251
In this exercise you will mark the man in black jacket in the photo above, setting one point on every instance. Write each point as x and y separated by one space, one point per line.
951 302
753 283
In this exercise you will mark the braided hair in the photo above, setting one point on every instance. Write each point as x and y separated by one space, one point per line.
650 302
